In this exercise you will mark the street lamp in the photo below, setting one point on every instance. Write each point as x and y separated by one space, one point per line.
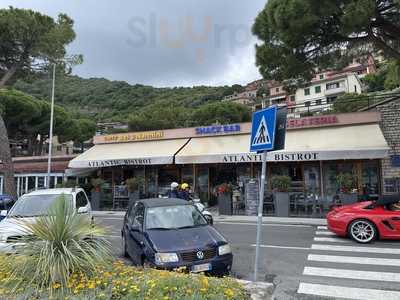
51 128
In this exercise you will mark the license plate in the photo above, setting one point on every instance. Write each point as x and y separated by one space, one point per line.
201 268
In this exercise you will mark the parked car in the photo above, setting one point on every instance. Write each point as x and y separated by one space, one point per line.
172 233
6 202
35 204
366 221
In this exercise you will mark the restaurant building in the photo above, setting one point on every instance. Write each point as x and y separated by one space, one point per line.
317 149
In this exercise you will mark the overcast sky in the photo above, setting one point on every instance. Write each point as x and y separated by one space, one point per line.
160 42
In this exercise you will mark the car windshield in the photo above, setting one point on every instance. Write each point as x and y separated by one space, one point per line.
35 205
174 217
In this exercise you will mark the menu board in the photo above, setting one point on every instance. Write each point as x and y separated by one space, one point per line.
251 197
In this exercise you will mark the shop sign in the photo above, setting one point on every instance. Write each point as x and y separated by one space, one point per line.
218 129
312 121
132 137
305 156
118 162
242 158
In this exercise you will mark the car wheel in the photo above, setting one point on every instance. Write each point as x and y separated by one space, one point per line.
362 231
124 247
145 263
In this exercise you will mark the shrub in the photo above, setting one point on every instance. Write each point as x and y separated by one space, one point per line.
281 183
134 184
55 246
118 281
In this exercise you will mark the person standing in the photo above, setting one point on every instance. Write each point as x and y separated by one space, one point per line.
173 192
185 192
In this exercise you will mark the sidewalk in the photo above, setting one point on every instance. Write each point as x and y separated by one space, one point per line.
233 219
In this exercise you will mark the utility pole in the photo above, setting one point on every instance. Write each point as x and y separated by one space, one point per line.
51 128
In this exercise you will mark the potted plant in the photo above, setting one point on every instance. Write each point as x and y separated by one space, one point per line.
97 185
347 184
134 186
280 186
224 194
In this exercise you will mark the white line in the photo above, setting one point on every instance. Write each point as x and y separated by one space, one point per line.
354 249
263 224
352 274
322 227
330 239
325 233
346 292
355 260
282 247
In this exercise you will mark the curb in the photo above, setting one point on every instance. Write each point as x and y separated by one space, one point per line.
258 290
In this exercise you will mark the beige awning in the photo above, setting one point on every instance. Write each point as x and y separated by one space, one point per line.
134 153
330 143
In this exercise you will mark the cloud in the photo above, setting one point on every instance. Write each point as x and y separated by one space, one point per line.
161 43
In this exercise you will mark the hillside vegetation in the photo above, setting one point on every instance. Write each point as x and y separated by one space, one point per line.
143 107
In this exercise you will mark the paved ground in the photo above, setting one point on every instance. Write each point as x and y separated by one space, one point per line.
306 261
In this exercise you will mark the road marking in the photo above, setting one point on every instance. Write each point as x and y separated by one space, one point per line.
322 227
263 224
346 292
355 249
355 260
325 233
352 274
330 239
282 247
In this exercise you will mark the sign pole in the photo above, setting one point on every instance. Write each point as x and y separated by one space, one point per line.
260 211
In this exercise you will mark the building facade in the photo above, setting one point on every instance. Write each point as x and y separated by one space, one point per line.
317 149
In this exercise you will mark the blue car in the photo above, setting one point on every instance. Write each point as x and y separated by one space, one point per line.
172 233
6 202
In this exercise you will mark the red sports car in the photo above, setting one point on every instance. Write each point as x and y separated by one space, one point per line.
366 221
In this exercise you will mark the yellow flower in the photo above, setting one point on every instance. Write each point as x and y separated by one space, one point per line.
56 285
229 293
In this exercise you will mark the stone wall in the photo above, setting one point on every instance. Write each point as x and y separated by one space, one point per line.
390 125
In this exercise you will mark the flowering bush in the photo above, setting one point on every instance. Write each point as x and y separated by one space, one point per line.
118 281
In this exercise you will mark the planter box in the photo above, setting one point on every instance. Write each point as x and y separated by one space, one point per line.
225 204
95 200
282 204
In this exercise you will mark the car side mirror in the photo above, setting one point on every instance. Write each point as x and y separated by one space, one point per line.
3 213
83 210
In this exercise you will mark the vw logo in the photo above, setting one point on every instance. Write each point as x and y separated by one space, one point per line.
200 254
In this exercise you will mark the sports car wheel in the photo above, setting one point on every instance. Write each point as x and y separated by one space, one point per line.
362 231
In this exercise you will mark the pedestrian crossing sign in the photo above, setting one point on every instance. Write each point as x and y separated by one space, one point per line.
263 130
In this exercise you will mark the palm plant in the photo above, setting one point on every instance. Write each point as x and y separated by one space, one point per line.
56 246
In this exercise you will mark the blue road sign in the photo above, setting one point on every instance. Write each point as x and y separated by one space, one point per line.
263 130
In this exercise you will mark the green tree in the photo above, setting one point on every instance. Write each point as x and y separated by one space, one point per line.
300 36
392 79
350 102
30 41
222 113
375 82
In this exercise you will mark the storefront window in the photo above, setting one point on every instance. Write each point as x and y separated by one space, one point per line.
330 171
41 182
187 175
202 178
312 178
151 182
370 178
167 175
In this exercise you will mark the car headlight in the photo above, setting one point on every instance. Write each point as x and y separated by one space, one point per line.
224 249
162 258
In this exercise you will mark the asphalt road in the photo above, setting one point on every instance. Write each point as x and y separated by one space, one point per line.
305 261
